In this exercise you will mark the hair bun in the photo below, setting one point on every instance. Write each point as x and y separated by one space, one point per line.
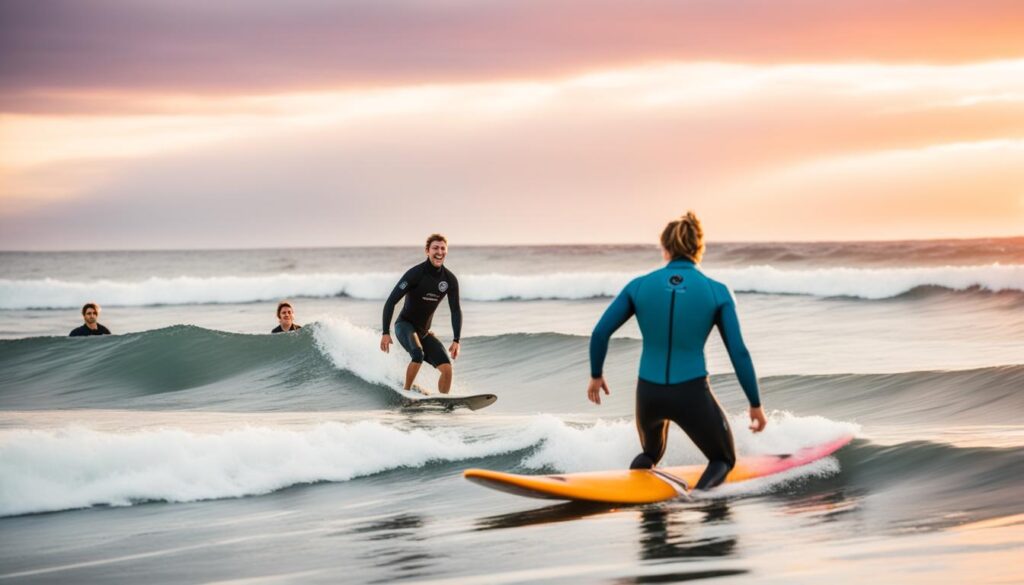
684 237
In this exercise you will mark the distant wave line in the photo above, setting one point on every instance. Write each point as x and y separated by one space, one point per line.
863 283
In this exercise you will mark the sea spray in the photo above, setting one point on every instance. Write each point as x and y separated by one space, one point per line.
612 444
357 350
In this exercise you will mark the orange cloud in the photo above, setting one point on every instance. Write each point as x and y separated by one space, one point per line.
806 151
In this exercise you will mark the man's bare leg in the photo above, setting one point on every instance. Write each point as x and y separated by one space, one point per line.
444 384
410 374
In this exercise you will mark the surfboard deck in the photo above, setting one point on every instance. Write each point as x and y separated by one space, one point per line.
474 402
642 486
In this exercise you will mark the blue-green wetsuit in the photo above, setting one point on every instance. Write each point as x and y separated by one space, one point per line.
676 308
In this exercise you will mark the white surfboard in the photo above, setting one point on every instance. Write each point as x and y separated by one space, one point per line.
447 402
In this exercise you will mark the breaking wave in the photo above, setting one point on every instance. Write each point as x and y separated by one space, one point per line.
864 283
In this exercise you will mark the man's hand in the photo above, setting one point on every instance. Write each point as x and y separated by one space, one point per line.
758 419
385 343
454 349
594 389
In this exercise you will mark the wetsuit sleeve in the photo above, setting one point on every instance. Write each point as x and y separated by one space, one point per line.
408 281
728 323
617 313
455 306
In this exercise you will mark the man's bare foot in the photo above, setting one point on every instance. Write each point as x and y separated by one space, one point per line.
420 389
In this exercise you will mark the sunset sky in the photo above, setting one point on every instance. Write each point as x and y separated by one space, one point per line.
192 124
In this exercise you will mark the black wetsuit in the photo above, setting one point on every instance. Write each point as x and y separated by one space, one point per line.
279 330
84 331
423 287
693 407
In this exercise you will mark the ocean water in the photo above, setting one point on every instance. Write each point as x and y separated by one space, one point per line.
191 446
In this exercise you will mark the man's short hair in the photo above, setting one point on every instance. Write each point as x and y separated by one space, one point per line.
88 306
436 238
282 305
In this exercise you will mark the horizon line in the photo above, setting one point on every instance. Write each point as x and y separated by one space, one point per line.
514 244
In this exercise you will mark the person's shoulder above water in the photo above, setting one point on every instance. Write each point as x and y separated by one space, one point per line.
91 315
85 331
278 329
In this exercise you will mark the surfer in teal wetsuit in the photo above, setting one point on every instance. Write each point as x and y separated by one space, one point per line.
676 307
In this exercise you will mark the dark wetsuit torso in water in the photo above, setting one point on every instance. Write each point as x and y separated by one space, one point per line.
676 308
84 331
279 329
424 287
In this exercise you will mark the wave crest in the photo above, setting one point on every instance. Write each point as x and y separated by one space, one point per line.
76 467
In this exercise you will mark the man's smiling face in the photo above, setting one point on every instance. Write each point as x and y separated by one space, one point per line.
437 252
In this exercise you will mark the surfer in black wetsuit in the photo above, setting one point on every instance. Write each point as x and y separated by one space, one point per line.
91 315
424 286
286 318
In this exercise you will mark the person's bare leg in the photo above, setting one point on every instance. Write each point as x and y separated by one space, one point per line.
444 384
410 373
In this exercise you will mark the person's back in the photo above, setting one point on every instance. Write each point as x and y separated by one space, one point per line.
676 307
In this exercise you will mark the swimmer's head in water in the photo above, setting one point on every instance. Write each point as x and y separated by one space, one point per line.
285 313
437 249
90 312
683 238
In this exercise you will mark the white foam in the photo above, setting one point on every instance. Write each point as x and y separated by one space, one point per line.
610 445
187 290
824 467
357 350
44 470
873 283
787 433
76 467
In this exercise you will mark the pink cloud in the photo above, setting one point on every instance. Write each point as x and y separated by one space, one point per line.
199 46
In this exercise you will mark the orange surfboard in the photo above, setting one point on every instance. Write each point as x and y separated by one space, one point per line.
642 486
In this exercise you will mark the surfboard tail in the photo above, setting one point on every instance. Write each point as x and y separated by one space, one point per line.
483 477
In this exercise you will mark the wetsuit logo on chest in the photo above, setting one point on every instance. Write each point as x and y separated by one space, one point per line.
442 286
675 280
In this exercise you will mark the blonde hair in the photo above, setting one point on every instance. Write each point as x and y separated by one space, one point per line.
684 238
